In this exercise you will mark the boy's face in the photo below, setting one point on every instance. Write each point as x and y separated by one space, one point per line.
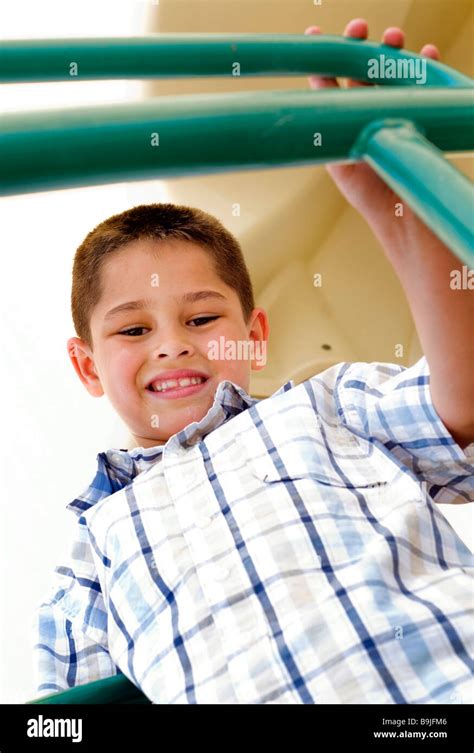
166 334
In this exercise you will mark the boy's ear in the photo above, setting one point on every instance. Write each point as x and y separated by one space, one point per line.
81 358
259 331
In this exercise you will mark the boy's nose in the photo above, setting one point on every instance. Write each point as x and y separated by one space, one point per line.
172 349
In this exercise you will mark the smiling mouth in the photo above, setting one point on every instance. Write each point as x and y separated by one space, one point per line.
179 390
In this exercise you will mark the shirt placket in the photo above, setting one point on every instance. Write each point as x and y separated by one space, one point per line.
235 609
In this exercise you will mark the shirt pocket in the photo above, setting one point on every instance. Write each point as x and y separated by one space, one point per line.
312 449
311 496
314 492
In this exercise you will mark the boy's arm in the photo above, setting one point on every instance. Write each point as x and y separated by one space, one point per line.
70 637
444 317
63 655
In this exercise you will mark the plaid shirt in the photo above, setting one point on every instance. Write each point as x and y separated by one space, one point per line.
284 550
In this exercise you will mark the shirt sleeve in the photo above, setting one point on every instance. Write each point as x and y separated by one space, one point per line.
69 631
63 655
391 405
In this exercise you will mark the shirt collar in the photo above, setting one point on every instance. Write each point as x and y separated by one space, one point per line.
118 468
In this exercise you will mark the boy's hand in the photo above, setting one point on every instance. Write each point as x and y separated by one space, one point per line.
443 315
360 185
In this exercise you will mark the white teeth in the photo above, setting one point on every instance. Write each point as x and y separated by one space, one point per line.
169 383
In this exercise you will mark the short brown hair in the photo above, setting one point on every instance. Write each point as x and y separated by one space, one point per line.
160 222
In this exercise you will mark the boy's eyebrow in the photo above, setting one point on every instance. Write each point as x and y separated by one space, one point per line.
143 303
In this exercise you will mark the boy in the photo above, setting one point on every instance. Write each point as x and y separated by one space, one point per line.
287 550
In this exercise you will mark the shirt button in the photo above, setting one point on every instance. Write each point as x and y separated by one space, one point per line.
221 573
203 521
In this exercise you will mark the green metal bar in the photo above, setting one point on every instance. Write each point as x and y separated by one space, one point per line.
418 172
168 137
173 55
115 689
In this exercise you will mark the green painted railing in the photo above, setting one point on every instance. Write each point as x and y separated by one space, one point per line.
402 128
168 137
189 55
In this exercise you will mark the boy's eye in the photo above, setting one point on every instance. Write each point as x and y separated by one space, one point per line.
132 329
204 319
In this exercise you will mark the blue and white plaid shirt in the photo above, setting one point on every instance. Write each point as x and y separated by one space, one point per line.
284 550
